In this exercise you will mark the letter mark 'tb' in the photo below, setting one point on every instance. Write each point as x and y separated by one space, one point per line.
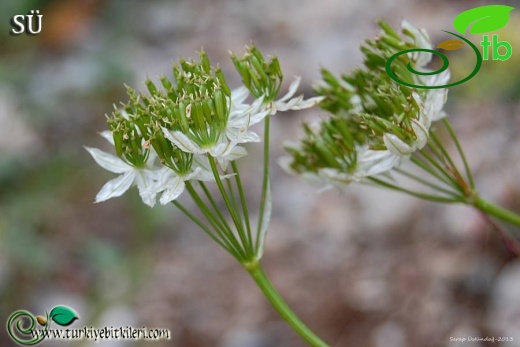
496 48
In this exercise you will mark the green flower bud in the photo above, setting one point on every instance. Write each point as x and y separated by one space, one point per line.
131 137
262 78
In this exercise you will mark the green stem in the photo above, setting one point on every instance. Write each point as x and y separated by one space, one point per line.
451 181
497 211
265 185
231 209
223 223
243 202
461 152
425 196
428 183
258 274
419 162
221 229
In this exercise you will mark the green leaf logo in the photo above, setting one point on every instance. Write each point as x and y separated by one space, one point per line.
484 19
63 315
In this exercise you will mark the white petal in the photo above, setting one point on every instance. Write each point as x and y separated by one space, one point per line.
308 103
334 176
108 161
227 153
107 135
285 164
434 103
440 79
248 116
421 40
174 190
239 94
258 116
285 106
236 153
182 141
146 179
200 175
248 136
222 149
372 163
125 114
202 162
146 186
292 89
421 132
242 135
116 187
395 145
150 162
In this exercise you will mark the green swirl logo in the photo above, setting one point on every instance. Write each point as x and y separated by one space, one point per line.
445 65
22 328
479 20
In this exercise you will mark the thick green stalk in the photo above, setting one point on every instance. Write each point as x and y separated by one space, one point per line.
497 211
258 274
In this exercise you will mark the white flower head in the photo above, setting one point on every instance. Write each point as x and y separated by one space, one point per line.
376 123
263 78
143 177
430 101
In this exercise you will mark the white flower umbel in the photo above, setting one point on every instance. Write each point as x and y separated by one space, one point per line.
368 163
264 78
144 178
193 125
376 123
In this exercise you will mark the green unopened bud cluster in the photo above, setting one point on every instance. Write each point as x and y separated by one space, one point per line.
333 146
364 106
196 103
130 135
262 78
368 98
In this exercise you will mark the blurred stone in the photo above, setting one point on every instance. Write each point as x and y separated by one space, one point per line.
16 137
240 338
389 334
504 315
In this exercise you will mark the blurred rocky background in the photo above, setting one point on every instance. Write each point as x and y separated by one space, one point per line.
363 267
